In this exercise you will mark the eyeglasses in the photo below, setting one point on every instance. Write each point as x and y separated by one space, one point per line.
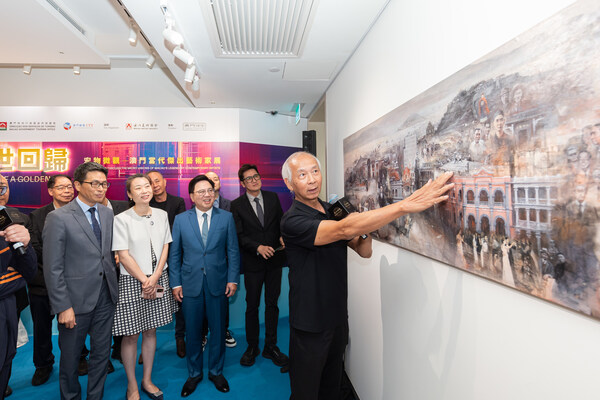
62 188
255 177
98 185
202 192
3 190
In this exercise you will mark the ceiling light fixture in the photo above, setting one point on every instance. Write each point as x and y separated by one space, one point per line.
190 73
76 70
150 61
27 69
196 83
132 36
183 55
172 37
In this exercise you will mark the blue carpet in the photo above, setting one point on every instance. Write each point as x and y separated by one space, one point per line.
261 381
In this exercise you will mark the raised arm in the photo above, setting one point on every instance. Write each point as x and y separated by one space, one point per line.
357 224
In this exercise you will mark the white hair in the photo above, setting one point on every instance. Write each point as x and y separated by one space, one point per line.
286 171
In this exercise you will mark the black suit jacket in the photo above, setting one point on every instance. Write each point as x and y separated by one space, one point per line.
118 206
38 218
252 234
22 219
224 204
173 205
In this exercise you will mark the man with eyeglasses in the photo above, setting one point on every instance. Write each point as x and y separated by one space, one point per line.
257 215
81 278
204 270
18 217
60 188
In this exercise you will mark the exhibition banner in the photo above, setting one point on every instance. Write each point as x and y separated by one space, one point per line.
28 165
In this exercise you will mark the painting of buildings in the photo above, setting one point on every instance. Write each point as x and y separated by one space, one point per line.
520 129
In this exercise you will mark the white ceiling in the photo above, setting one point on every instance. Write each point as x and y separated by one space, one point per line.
114 73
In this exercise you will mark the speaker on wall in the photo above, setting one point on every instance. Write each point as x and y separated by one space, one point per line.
309 142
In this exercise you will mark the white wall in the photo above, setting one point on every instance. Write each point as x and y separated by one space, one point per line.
421 329
262 127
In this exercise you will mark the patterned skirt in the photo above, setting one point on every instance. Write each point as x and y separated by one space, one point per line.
134 314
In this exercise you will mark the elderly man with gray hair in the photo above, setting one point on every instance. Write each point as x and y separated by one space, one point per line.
316 248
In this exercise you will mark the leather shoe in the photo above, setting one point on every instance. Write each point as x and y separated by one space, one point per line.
8 391
190 385
249 356
82 368
274 354
111 368
41 375
220 382
158 395
180 347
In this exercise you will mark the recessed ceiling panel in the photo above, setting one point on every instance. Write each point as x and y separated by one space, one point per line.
260 28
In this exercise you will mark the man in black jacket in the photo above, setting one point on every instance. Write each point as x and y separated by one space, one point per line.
18 217
60 188
13 268
257 215
173 205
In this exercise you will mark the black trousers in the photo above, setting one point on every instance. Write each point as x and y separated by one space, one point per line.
8 339
42 330
316 363
253 282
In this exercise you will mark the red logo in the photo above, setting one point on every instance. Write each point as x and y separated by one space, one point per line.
3 126
128 127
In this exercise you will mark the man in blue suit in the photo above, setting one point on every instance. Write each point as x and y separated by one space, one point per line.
204 270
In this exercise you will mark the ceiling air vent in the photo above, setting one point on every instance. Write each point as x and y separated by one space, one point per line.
261 28
66 16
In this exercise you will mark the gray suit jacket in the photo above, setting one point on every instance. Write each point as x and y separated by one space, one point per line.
74 262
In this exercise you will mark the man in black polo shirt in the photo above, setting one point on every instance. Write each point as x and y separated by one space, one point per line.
317 257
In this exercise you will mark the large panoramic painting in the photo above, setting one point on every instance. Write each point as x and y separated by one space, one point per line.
520 129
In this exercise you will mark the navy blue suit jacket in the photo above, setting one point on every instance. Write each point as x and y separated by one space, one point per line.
189 258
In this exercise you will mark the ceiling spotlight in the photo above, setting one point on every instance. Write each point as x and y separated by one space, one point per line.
172 37
150 61
183 55
132 36
190 73
76 70
27 69
196 83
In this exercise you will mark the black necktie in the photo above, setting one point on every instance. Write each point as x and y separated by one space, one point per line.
96 226
259 212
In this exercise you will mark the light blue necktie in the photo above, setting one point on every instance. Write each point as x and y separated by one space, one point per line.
204 232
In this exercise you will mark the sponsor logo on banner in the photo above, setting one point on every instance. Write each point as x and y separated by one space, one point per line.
3 125
141 126
194 126
30 126
78 125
